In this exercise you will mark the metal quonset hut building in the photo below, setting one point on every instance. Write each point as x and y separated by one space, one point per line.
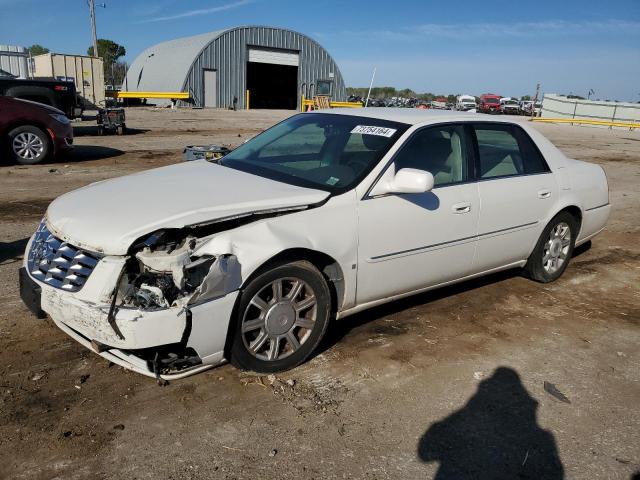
275 65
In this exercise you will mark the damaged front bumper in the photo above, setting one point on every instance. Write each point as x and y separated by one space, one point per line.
167 343
209 324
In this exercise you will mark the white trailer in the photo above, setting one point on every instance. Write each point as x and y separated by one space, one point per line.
86 72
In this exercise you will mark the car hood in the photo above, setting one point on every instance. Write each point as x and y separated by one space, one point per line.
108 216
42 106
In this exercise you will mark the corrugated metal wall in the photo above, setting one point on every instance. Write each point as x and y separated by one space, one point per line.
228 54
14 60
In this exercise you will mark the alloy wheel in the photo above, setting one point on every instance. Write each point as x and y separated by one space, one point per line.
28 145
556 248
279 319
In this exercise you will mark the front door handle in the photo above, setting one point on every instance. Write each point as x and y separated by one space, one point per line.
544 193
464 207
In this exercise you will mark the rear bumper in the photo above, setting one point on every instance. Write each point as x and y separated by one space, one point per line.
593 222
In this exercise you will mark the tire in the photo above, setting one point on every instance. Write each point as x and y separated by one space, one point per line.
274 336
554 249
29 145
121 130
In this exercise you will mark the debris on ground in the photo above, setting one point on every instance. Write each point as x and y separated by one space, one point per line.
273 453
118 427
38 376
552 390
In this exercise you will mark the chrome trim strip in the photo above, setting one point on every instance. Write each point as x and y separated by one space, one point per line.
441 244
599 206
530 224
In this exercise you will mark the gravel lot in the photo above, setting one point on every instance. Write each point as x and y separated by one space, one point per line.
452 379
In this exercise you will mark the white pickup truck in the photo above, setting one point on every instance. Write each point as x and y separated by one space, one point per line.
510 106
465 102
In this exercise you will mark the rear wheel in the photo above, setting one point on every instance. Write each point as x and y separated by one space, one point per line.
281 317
552 253
29 145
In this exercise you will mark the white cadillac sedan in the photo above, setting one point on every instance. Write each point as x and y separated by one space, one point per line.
171 271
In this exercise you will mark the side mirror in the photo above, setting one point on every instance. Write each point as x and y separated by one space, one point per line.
406 180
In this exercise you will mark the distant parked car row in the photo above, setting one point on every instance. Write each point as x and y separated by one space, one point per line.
492 103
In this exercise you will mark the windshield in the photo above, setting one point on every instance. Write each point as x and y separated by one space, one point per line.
317 150
491 100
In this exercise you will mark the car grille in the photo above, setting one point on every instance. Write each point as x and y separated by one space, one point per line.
57 263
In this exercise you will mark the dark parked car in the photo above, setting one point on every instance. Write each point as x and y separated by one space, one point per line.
31 132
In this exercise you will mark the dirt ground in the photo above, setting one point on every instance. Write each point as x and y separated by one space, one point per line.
451 380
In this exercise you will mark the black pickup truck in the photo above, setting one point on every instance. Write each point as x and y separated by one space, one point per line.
61 95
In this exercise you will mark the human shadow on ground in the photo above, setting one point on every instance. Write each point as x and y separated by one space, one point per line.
494 436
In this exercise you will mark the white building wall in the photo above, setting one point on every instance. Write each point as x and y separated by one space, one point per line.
556 106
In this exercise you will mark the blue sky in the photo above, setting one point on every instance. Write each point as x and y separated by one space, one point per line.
467 46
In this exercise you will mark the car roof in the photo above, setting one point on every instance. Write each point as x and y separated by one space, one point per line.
413 116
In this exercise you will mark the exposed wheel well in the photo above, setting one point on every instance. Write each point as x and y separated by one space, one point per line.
329 267
575 212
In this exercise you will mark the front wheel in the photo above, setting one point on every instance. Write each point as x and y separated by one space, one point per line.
281 317
552 253
29 145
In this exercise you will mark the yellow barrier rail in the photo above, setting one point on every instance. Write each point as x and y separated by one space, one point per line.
169 95
580 121
304 103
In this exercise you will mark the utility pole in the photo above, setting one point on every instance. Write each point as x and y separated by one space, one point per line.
535 100
92 14
366 103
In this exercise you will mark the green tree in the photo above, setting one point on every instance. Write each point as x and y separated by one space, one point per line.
525 97
110 52
407 92
37 49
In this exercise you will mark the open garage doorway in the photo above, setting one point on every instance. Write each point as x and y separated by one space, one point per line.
272 78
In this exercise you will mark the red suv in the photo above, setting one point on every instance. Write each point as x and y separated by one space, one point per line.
32 132
489 103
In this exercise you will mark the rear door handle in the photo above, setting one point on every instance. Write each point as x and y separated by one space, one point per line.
464 207
544 193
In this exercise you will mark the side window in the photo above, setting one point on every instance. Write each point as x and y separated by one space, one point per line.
507 150
534 162
439 150
499 151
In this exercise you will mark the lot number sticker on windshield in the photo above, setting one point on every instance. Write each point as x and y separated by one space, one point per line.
371 130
